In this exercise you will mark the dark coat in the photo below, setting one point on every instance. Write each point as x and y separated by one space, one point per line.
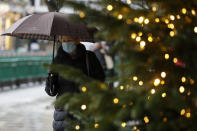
95 69
62 85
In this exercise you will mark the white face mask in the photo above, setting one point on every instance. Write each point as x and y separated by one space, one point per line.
68 47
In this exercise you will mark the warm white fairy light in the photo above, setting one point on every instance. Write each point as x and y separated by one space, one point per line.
172 17
120 16
146 120
167 56
141 19
133 35
150 39
121 87
135 78
138 38
81 14
136 20
175 60
146 21
141 83
163 74
142 44
157 82
154 8
178 16
195 29
96 125
163 95
184 10
109 7
181 89
193 12
123 124
182 112
129 2
183 79
152 91
171 26
116 100
83 107
140 33
77 127
157 20
172 33
84 89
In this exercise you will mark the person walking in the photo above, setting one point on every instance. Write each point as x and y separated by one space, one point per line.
74 54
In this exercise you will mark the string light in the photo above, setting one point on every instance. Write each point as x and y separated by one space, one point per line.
120 16
116 100
175 60
182 112
188 115
150 39
154 9
138 38
146 21
83 107
184 11
140 34
141 19
193 12
129 2
135 78
142 44
96 125
167 56
172 17
146 120
77 127
124 106
123 124
136 20
162 82
178 16
157 20
163 74
183 79
163 95
156 82
141 83
148 97
81 14
181 89
195 29
121 87
84 89
133 35
172 33
166 21
109 7
152 91
134 128
171 26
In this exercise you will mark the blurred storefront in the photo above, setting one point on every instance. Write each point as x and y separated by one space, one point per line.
7 18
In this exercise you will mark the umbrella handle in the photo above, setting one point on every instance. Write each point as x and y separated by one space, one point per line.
53 49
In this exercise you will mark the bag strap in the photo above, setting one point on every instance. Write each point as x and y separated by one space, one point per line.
87 64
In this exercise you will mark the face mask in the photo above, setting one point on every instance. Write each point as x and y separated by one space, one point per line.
68 47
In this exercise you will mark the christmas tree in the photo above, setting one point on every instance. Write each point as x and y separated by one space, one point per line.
156 43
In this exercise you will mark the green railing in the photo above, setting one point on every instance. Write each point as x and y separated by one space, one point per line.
22 67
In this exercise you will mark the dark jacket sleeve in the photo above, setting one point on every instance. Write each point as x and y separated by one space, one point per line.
96 70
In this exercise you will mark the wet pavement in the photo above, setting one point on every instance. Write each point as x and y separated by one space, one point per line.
26 109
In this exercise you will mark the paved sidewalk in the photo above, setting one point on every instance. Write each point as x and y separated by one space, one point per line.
26 109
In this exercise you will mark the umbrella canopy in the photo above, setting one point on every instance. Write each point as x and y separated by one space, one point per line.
47 25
